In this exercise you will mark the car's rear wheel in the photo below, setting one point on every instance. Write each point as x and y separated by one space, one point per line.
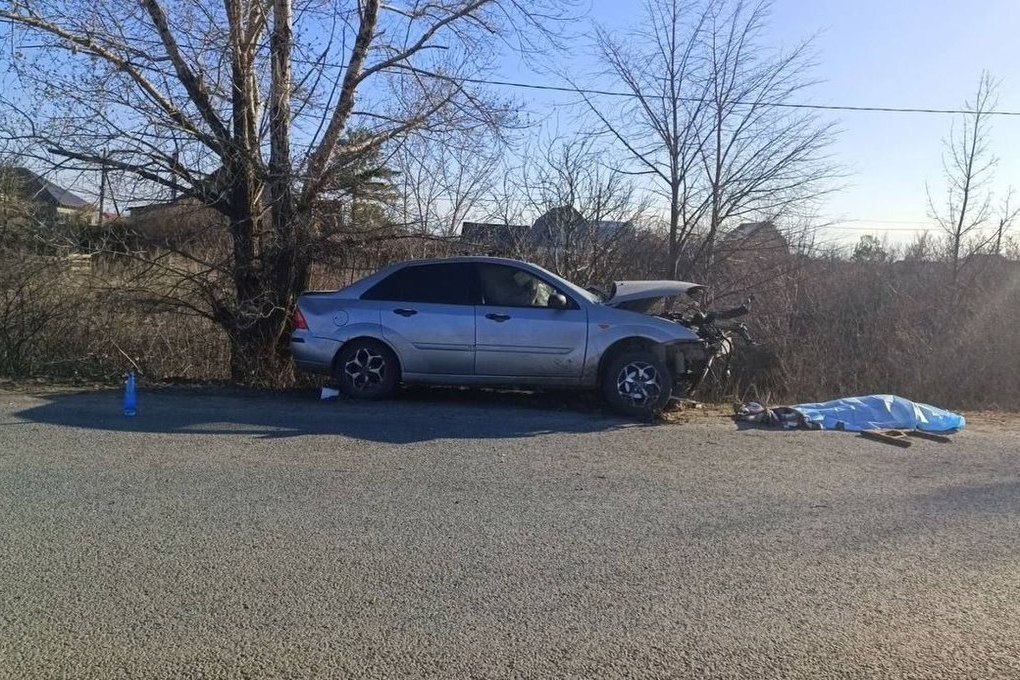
637 383
367 369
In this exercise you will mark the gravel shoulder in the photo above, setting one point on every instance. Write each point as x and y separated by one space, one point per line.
474 535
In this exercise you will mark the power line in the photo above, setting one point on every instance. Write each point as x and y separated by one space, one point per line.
879 221
847 227
780 105
693 100
633 95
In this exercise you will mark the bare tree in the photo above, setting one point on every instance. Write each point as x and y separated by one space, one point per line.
968 166
1007 216
444 178
757 159
507 206
589 204
659 124
707 119
257 108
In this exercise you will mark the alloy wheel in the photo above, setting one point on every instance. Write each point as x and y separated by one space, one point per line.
639 383
366 369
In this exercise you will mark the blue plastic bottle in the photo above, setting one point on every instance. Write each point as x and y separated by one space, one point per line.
130 396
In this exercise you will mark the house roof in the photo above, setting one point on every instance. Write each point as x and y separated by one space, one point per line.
554 220
500 235
40 189
749 229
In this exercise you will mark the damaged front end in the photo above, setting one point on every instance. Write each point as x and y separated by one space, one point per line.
692 363
718 332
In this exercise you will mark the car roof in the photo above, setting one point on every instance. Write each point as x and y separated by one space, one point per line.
461 258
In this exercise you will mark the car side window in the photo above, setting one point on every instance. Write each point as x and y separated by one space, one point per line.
449 284
505 286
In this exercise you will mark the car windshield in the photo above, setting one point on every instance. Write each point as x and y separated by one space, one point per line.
572 288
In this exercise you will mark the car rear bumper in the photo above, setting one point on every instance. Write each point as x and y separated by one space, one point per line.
312 354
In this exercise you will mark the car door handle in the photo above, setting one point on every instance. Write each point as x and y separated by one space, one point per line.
405 312
498 317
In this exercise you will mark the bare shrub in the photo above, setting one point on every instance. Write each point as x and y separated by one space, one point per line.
890 327
37 314
58 320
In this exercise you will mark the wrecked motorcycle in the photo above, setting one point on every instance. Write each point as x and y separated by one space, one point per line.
719 338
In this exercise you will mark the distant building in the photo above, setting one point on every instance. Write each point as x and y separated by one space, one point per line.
753 243
560 228
756 235
606 231
175 223
46 195
557 227
506 238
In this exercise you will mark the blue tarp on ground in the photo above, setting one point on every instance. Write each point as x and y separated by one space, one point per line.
880 412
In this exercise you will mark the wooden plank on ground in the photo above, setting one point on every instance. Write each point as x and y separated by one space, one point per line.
894 437
930 436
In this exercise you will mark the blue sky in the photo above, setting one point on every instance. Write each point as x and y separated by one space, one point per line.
899 53
907 54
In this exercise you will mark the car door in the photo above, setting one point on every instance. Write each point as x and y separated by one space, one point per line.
427 315
518 334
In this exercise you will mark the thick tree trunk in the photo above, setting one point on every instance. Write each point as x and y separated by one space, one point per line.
261 212
258 324
259 355
266 284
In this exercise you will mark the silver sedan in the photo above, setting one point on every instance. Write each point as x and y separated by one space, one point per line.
497 322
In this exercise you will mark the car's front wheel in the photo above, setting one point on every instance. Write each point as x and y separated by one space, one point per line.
637 383
367 369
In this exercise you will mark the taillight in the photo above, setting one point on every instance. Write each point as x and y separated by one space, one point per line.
299 320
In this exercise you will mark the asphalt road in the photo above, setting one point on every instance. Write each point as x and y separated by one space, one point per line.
469 536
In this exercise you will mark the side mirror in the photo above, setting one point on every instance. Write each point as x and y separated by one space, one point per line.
557 301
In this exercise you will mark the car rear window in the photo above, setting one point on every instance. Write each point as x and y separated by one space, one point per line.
449 284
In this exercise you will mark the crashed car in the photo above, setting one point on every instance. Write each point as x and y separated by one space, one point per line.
500 322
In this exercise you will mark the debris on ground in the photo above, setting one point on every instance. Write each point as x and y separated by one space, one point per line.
681 410
856 414
785 417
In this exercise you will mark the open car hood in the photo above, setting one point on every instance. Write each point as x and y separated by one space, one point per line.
625 293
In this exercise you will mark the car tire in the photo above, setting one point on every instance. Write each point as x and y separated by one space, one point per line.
367 369
637 383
